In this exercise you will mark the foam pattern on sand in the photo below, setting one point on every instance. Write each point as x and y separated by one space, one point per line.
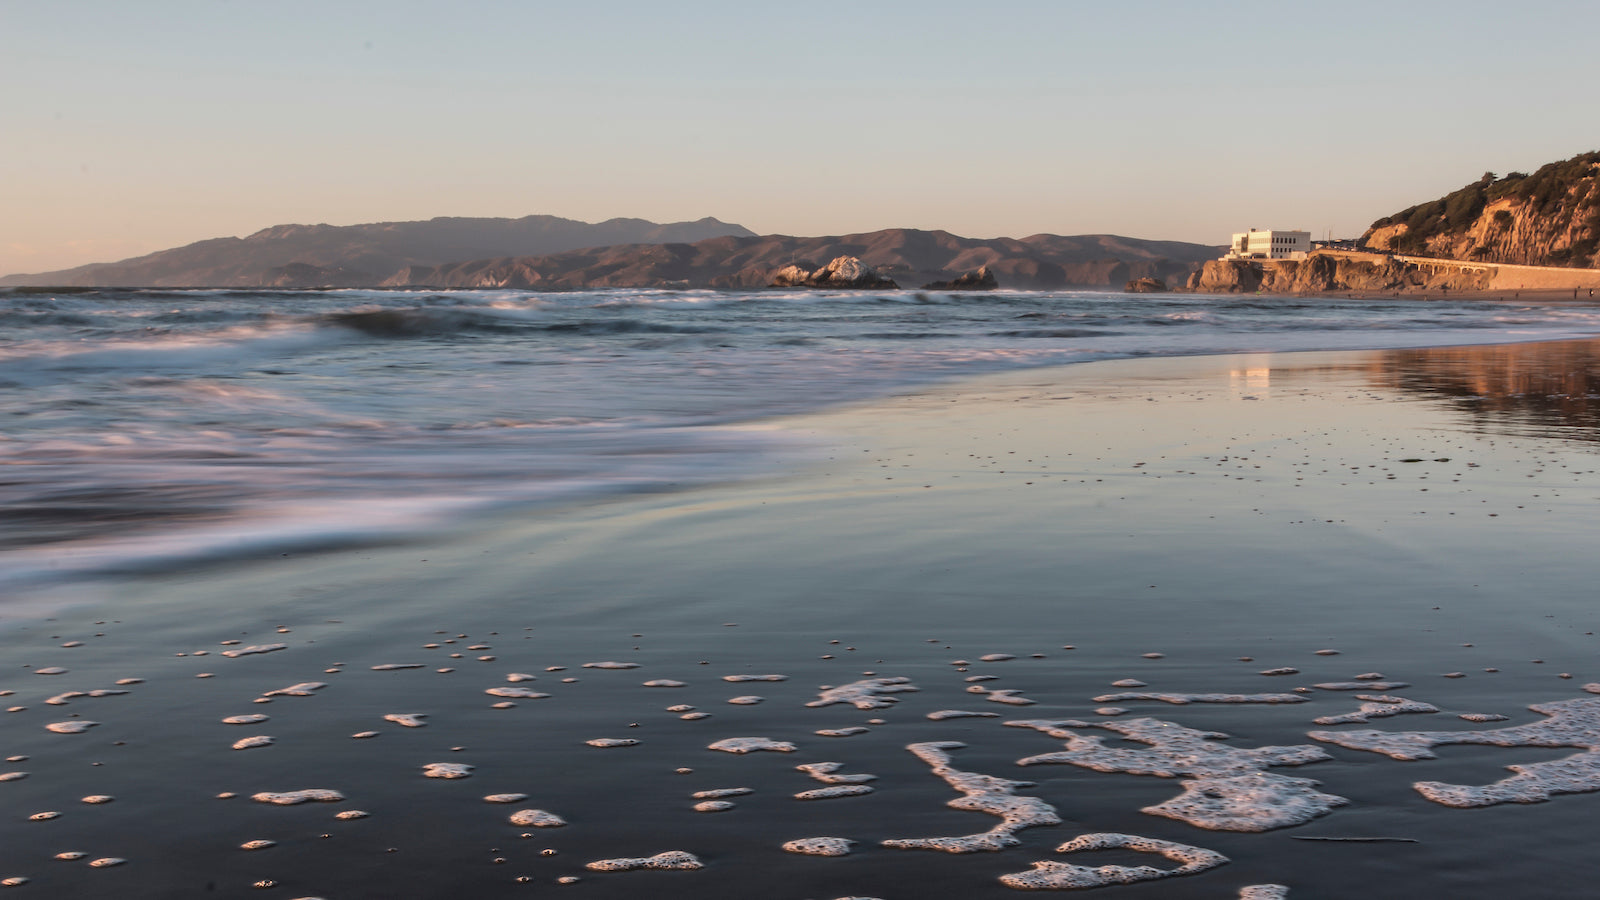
1184 699
1264 892
827 773
979 793
820 846
751 745
1377 706
1571 723
536 818
838 790
672 860
293 798
1049 875
1174 750
871 693
1259 801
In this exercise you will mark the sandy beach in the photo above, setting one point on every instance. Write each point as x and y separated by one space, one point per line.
1215 525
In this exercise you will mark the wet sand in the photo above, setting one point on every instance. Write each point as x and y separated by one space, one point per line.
1190 524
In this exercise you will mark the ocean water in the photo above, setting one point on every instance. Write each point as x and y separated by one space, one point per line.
147 427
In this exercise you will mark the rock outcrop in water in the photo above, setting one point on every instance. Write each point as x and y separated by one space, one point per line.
1145 285
843 273
979 279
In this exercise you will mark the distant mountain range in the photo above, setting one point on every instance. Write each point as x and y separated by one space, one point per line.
364 255
546 252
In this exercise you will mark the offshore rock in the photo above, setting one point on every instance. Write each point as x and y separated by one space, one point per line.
1146 285
979 279
844 272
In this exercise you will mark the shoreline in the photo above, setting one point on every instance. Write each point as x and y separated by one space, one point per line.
1205 508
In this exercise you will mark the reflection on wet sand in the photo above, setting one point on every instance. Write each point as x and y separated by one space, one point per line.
1529 390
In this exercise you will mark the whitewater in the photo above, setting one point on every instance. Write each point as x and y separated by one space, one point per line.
149 427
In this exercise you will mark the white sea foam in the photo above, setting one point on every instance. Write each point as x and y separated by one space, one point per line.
1377 706
1173 750
828 773
612 742
1259 801
871 693
446 770
751 745
1182 699
939 715
409 720
838 790
254 649
536 818
520 693
979 793
743 678
1570 723
1056 876
675 860
292 798
820 846
260 740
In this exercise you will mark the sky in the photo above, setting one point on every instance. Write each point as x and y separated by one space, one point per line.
127 128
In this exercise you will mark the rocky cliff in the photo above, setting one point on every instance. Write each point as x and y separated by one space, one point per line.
1549 218
1334 273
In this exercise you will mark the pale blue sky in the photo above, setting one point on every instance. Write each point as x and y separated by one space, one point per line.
131 127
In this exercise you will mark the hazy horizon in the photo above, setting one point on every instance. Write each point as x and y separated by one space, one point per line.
135 128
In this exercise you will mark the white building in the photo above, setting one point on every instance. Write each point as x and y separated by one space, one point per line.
1255 244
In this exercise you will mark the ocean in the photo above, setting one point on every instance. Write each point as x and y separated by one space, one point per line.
148 428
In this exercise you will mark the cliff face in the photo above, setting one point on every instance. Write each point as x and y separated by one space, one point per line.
1549 218
906 256
1330 273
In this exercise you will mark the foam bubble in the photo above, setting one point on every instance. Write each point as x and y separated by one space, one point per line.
839 790
520 693
44 816
751 745
257 845
70 855
1049 875
719 793
447 770
996 657
77 726
707 806
1110 711
612 742
1265 891
504 798
303 689
1281 670
826 772
979 793
13 776
1179 699
97 799
106 862
351 814
251 719
670 860
939 715
842 732
867 694
363 735
736 679
62 698
1129 683
748 700
1483 717
515 677
610 665
253 649
536 818
409 720
665 683
695 716
1378 706
1365 685
50 670
292 798
1009 696
14 881
260 740
820 846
